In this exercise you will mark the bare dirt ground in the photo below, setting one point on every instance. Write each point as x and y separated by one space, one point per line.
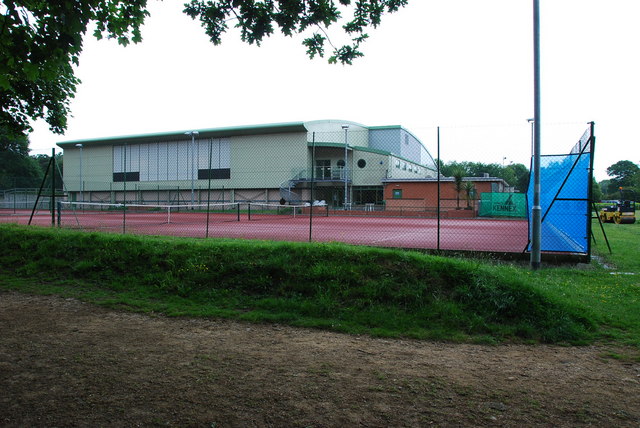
68 363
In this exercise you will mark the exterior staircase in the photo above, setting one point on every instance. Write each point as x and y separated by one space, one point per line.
289 195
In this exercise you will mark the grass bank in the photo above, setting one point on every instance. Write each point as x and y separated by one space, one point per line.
610 288
333 286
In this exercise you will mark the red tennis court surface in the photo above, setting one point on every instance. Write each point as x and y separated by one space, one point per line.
487 235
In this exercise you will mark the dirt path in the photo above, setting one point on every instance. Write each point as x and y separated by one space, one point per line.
67 363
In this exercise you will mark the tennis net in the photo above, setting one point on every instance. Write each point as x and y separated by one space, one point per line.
256 210
154 212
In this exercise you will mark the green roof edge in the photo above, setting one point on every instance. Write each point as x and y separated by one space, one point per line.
229 131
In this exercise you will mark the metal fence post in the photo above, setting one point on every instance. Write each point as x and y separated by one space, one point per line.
438 172
52 204
313 155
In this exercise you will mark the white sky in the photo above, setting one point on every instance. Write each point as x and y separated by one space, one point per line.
463 65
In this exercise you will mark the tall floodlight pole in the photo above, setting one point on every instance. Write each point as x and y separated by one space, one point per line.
79 145
193 137
536 227
346 131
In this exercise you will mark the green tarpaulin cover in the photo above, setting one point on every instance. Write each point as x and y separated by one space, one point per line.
503 205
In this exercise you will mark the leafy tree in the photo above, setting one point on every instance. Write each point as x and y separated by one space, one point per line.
596 191
604 188
478 169
516 175
41 41
624 174
521 176
43 163
17 168
446 169
258 20
18 144
613 191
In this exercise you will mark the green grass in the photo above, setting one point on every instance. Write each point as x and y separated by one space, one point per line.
611 288
333 286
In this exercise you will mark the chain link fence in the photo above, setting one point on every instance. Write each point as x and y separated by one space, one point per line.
565 198
377 187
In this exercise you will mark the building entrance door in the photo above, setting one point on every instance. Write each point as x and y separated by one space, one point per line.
323 169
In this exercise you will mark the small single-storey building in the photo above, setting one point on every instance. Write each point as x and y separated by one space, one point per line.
421 194
347 161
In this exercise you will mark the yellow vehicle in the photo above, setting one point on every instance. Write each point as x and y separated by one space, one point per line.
623 212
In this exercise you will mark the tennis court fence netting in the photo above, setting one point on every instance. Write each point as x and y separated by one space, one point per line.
322 200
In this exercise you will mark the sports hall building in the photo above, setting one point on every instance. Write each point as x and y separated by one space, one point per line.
347 162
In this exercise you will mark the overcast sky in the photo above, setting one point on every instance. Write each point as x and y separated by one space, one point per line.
463 65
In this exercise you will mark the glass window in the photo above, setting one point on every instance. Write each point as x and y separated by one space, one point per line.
368 195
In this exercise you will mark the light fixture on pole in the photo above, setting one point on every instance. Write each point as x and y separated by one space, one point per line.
346 131
193 136
79 145
504 158
531 121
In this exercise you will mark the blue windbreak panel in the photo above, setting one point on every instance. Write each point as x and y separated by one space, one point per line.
564 199
562 229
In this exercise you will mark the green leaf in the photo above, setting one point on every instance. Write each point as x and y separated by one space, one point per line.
30 71
5 84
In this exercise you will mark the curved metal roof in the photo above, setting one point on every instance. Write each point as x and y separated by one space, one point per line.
232 131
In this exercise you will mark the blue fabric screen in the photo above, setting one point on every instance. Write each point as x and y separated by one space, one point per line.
564 199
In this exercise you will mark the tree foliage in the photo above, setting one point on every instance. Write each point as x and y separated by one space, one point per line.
17 168
41 41
259 19
604 188
596 191
624 173
13 144
516 174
